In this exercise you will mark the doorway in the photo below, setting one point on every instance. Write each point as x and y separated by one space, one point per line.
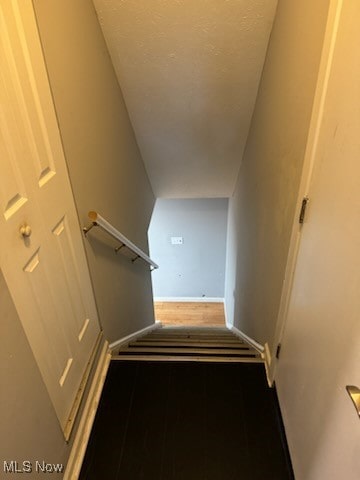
187 239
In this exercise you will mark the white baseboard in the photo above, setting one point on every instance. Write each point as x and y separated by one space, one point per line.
268 366
87 418
260 348
227 322
264 350
190 299
133 336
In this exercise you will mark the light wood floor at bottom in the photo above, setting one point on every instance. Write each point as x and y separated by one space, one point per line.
190 313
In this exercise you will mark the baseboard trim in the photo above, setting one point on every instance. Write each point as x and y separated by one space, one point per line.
268 367
263 349
260 348
133 336
84 429
227 322
77 403
190 299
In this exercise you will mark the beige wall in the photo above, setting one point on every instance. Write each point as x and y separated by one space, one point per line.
262 209
30 429
105 166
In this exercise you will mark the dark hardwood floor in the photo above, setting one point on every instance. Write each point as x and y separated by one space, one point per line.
187 421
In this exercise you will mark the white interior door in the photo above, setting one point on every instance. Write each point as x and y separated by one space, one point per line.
321 344
46 268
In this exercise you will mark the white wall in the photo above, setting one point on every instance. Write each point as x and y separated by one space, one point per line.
197 267
262 209
105 165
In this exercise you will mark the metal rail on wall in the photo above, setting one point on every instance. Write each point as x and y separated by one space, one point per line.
98 221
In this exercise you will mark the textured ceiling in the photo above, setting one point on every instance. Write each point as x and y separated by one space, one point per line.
189 71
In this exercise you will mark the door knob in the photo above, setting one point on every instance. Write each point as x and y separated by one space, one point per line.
354 393
25 231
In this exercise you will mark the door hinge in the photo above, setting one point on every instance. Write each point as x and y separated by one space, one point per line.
278 349
304 204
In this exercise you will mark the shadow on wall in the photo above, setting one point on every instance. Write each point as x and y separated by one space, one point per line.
121 295
187 238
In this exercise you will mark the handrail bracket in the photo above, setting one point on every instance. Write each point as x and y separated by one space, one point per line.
117 249
87 229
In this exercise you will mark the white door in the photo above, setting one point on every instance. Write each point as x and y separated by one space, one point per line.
321 344
45 267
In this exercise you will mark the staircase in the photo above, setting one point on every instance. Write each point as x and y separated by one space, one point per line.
185 344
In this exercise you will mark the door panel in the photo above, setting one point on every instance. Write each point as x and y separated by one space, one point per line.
321 344
46 269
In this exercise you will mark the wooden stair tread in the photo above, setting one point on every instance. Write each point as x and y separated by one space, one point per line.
193 331
192 340
192 358
194 327
192 335
192 344
197 351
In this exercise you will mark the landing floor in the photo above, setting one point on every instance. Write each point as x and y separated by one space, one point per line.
203 314
192 421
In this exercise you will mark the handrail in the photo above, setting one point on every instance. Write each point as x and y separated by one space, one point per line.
98 221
